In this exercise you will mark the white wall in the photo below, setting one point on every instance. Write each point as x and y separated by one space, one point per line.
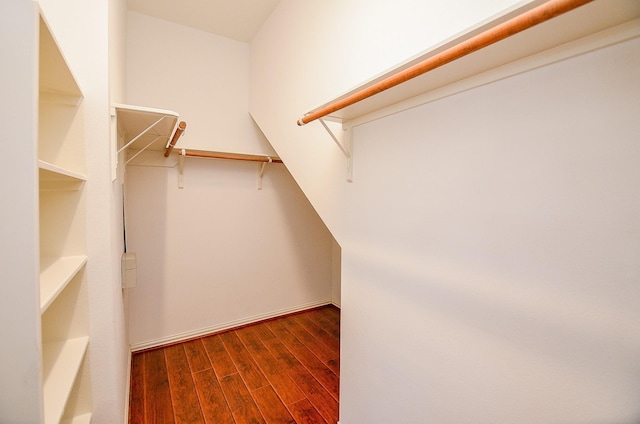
117 50
218 252
117 74
202 76
336 270
489 239
19 249
504 265
85 43
306 54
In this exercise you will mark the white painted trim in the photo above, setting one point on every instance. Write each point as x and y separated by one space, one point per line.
225 326
337 305
599 40
127 391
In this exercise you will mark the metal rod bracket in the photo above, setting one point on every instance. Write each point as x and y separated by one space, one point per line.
141 134
181 169
261 171
346 146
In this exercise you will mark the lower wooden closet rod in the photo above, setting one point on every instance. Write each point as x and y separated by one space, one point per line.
234 156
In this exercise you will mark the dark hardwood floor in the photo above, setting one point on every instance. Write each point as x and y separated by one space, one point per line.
280 371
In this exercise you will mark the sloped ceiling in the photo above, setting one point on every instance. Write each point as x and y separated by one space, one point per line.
235 19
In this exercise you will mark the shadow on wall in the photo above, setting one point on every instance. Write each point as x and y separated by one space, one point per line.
300 225
146 223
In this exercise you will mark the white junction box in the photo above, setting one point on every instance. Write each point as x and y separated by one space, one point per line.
129 265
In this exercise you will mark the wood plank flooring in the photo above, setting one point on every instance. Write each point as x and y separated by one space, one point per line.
281 371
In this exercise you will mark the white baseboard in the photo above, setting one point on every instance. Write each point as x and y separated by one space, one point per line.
225 326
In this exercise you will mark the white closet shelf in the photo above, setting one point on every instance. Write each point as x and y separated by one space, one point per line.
582 22
144 128
53 177
57 83
55 274
49 171
62 362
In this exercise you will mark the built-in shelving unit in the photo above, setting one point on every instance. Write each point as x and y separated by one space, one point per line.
63 302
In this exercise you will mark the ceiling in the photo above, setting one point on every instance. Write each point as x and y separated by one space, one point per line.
236 19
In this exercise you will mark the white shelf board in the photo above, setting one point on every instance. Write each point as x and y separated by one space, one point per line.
80 419
62 362
55 274
582 22
56 79
53 176
134 120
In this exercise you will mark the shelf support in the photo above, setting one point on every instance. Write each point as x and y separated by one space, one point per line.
141 134
348 137
142 150
261 171
346 149
181 168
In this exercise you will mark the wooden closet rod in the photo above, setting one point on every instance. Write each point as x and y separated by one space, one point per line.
181 127
524 21
234 156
